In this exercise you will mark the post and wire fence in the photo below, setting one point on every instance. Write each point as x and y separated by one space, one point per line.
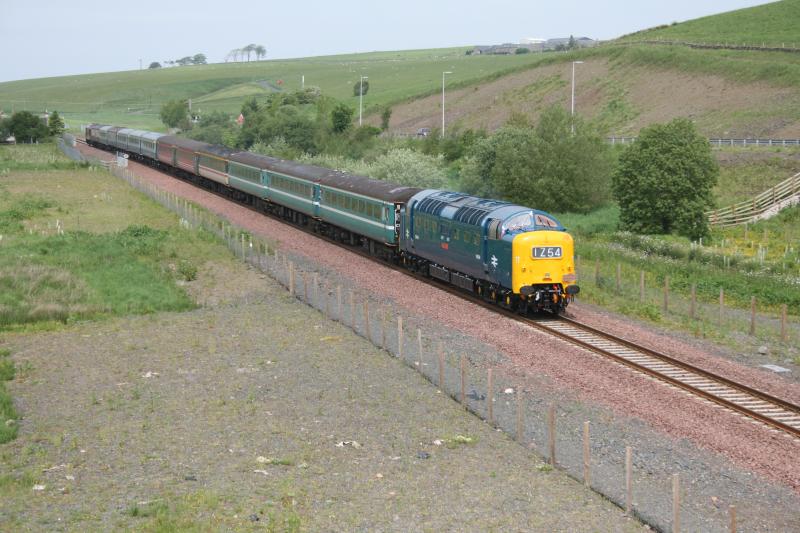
654 297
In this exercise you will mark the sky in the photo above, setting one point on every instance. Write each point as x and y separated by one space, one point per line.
44 38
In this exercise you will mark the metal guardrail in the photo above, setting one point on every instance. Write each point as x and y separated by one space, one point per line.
768 203
724 142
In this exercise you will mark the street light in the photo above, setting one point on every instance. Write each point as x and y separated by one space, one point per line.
361 96
572 113
443 74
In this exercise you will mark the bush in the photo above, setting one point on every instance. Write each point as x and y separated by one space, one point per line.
407 167
175 113
386 116
664 181
187 270
341 117
361 88
547 167
27 127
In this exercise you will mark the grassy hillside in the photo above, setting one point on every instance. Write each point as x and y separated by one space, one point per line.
774 24
727 93
134 97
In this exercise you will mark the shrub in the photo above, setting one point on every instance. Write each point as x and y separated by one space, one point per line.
664 181
407 167
548 167
187 270
26 127
386 116
341 117
7 370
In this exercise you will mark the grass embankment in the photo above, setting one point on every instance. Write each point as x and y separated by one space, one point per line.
774 24
73 245
134 98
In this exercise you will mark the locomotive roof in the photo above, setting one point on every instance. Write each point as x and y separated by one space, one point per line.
467 209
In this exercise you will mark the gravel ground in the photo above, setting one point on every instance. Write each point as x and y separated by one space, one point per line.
688 423
256 412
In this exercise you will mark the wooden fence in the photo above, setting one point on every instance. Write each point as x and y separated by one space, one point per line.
744 46
763 206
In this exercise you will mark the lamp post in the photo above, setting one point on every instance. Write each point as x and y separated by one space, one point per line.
361 96
572 112
443 75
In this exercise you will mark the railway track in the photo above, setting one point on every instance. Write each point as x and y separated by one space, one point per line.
756 405
747 401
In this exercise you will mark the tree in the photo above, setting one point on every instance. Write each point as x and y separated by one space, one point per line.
546 167
572 44
199 59
386 116
522 50
175 113
56 124
260 51
664 180
249 49
27 127
359 89
342 117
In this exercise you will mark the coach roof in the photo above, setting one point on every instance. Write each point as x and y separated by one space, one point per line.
382 190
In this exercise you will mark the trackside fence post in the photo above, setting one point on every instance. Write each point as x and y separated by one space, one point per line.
628 480
551 433
490 397
641 286
586 456
676 503
463 380
367 332
400 338
784 336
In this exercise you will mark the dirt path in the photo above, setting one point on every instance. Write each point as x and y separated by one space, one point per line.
233 417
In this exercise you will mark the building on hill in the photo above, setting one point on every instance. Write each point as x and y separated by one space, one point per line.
534 45
563 42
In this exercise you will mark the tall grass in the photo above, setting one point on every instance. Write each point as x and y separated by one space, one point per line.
8 415
35 157
80 275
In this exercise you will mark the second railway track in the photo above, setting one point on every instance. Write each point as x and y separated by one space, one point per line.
759 406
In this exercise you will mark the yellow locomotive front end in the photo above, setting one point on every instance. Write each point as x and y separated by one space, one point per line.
543 269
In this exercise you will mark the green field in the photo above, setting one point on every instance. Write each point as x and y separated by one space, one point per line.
135 97
773 24
73 245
